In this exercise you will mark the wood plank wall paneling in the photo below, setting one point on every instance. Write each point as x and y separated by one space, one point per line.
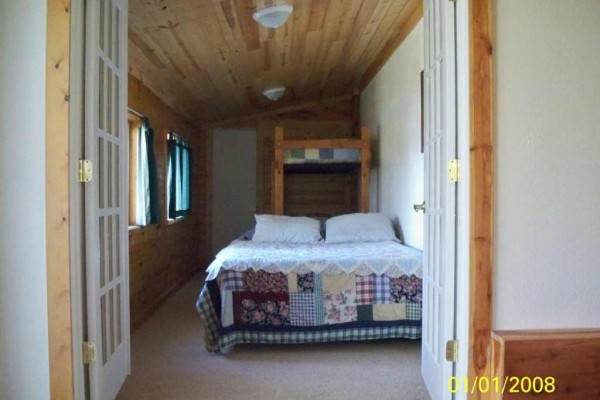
60 344
163 256
482 191
206 253
330 194
335 121
571 357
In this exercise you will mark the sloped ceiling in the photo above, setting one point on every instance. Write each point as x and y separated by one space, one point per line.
209 59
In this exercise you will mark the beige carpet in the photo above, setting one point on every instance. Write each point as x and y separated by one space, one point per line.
169 362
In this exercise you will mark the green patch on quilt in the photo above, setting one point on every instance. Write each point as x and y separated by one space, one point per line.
365 312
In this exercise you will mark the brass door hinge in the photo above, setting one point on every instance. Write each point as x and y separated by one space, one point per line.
454 170
452 350
89 353
85 171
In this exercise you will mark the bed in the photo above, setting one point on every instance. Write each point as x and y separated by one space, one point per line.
347 156
282 292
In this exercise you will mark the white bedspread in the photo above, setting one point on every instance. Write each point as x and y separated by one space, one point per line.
382 258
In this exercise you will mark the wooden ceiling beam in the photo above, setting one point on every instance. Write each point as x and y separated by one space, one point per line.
245 119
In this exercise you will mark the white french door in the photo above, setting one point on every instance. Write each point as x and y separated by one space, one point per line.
106 196
440 200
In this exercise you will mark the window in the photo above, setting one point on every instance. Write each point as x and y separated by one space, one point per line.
143 183
179 174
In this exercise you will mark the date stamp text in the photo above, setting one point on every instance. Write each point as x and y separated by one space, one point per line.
509 384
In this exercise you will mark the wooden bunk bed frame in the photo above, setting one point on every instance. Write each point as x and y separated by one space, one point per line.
363 144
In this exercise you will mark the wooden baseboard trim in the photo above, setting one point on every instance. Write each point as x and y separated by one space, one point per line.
571 357
151 309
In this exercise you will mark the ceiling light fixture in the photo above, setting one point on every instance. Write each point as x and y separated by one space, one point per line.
274 93
273 17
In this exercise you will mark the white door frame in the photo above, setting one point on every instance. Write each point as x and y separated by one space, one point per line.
463 200
76 152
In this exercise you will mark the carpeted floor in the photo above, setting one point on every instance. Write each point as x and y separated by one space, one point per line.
169 362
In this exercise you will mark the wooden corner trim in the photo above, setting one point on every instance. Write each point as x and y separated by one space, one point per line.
482 187
60 340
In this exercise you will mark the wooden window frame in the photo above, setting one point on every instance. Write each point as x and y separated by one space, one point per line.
135 122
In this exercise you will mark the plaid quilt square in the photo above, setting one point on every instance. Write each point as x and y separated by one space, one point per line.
413 311
381 293
233 280
302 309
206 308
364 289
225 342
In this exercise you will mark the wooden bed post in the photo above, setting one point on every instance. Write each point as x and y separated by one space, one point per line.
365 169
278 173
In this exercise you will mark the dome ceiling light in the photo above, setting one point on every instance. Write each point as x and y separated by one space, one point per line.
274 93
273 17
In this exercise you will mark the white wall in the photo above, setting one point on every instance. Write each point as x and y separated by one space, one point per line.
23 307
391 107
547 264
234 184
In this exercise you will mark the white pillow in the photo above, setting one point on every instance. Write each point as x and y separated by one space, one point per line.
282 229
350 228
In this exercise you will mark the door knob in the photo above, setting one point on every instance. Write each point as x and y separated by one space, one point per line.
419 207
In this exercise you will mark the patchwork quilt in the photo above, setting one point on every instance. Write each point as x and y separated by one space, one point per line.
304 156
256 306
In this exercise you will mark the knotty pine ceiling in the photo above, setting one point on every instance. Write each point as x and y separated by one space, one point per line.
209 60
